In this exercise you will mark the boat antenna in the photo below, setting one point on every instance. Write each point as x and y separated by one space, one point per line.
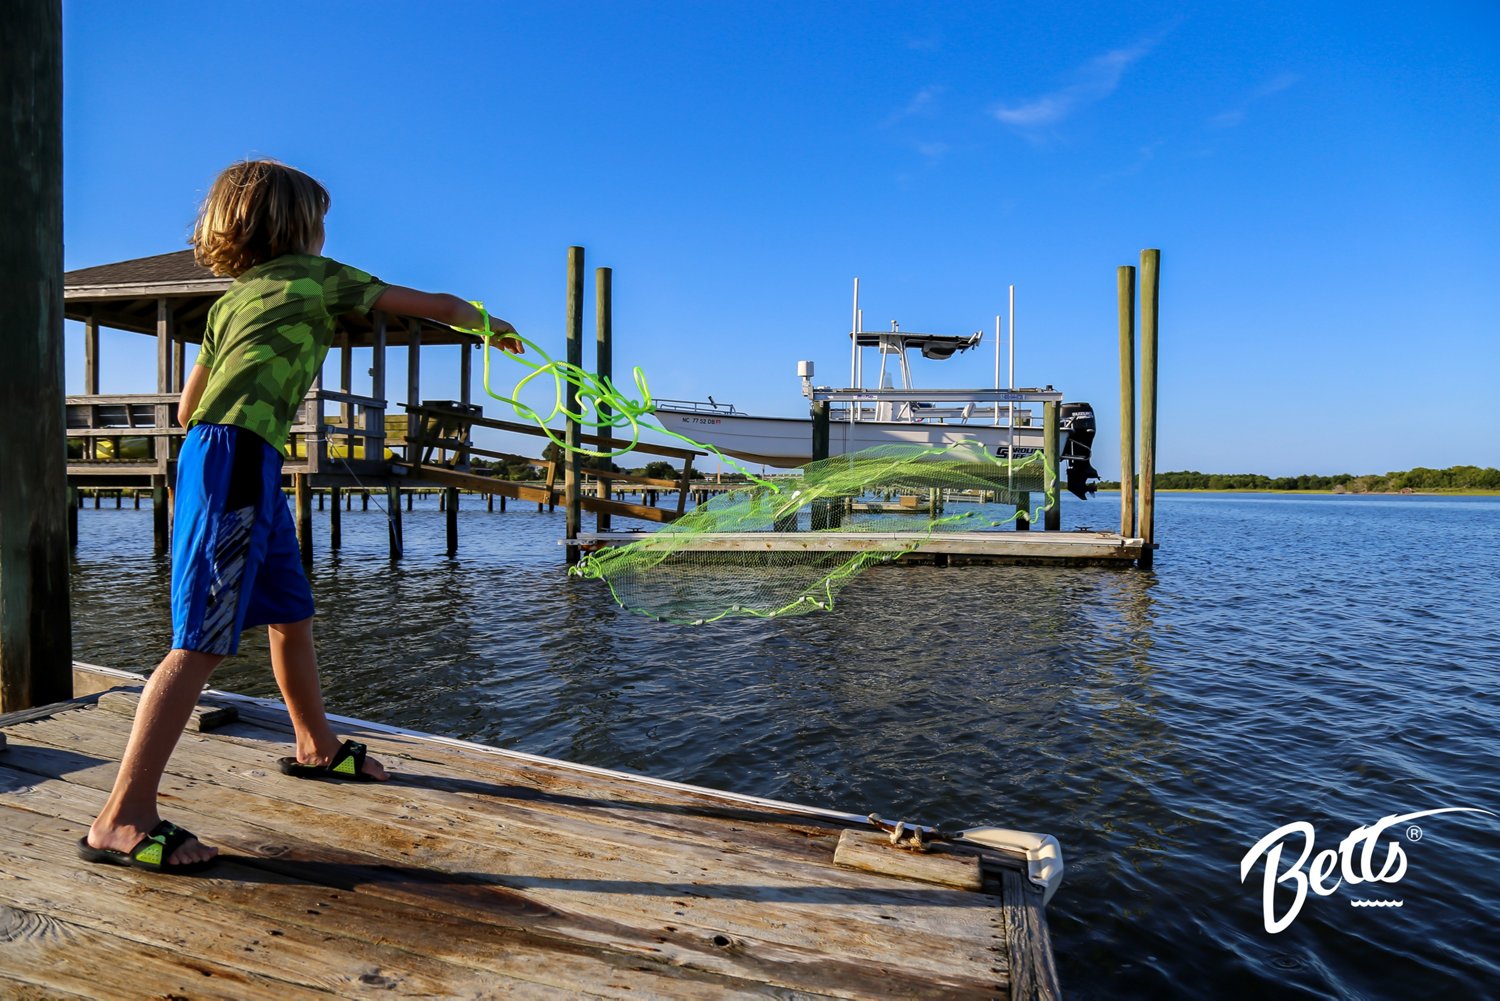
998 334
854 340
1010 439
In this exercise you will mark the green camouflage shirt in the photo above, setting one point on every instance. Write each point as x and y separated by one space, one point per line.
267 337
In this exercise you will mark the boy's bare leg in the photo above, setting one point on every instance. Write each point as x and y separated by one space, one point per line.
165 707
294 659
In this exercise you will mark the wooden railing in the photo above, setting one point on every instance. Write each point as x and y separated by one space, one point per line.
122 434
351 439
444 437
137 434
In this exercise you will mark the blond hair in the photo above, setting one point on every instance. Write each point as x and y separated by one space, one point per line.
257 210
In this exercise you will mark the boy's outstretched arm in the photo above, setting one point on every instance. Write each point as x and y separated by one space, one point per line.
444 308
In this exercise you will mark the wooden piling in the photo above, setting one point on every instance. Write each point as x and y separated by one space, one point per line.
572 510
1150 296
72 516
450 496
303 495
604 368
159 530
36 647
335 525
1051 450
91 354
393 518
413 391
1125 284
823 516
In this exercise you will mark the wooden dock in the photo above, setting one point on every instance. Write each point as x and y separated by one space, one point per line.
476 872
942 547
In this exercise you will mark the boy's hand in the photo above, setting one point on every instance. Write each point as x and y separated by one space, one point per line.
512 345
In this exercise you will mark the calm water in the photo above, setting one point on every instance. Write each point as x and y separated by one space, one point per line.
1332 660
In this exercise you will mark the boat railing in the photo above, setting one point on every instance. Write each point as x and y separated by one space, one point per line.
699 407
916 411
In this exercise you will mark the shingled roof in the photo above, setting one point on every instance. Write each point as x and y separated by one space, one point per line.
162 272
125 295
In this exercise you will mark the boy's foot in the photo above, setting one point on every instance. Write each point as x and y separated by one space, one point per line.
122 844
350 763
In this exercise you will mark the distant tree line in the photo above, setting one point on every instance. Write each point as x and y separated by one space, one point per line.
1420 478
517 470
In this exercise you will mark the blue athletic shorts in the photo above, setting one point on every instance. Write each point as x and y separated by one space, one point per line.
235 561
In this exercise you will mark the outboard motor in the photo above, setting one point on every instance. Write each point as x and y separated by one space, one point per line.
1078 419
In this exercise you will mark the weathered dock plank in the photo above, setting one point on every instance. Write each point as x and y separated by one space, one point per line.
476 872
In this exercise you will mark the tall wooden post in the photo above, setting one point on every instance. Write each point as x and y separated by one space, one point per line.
36 633
572 509
346 409
91 355
393 519
335 525
1051 450
823 514
179 364
1125 285
164 417
159 528
413 389
465 376
450 507
604 368
375 419
1150 295
304 517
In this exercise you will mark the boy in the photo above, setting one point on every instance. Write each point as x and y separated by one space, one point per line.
234 553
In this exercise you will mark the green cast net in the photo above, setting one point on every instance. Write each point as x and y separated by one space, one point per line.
787 545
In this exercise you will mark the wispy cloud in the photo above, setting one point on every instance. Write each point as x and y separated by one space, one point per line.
921 103
1091 82
1236 115
932 152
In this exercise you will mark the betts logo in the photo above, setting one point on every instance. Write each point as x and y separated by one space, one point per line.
1354 860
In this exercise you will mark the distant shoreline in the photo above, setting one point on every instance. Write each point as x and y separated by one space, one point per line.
1333 493
1457 480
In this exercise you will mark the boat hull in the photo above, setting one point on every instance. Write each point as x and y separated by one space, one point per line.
787 441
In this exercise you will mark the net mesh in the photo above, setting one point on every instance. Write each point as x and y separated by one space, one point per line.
777 548
786 548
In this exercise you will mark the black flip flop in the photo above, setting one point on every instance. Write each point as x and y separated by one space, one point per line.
347 765
150 853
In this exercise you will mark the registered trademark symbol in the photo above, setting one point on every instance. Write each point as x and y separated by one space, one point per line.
1413 833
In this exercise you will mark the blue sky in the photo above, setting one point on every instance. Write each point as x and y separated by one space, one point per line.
1320 178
